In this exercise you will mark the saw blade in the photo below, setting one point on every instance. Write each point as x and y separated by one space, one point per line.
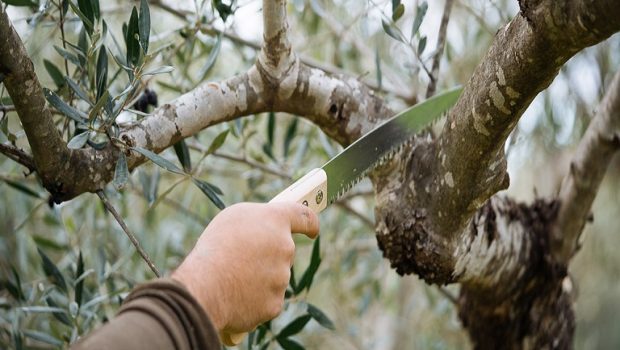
369 151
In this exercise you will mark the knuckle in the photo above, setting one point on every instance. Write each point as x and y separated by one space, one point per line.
231 210
278 210
275 309
283 243
287 252
289 246
285 278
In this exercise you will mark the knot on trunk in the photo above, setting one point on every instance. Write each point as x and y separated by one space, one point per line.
403 229
532 311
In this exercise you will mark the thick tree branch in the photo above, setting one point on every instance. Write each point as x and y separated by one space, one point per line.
343 106
28 99
276 56
443 225
209 104
454 176
599 144
64 172
523 60
309 61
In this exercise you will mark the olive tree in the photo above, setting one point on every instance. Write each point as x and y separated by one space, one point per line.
437 211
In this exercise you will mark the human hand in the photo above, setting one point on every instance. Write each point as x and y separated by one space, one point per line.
240 267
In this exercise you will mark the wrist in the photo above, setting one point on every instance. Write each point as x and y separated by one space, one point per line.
205 293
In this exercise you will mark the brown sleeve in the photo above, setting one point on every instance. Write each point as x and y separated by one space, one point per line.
157 315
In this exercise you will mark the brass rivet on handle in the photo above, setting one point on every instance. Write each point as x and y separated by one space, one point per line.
319 197
305 203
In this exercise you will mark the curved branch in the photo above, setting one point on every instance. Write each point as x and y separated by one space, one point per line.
22 84
523 60
599 144
342 106
309 61
453 177
277 82
208 104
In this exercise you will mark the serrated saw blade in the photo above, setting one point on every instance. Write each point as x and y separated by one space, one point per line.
354 162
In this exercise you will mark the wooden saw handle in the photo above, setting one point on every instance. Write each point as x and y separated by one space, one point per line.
311 191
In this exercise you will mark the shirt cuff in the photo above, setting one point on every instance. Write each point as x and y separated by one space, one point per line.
183 317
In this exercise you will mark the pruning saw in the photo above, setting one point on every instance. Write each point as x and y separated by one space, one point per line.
322 186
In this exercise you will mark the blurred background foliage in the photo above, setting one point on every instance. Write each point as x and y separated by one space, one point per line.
66 268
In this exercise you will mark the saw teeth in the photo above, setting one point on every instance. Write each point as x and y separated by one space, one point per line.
389 155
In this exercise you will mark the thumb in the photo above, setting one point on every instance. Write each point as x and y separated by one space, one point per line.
303 220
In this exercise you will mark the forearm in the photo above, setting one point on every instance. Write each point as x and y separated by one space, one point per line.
157 315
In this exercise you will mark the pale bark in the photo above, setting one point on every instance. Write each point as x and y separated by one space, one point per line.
596 149
447 184
277 82
209 104
434 213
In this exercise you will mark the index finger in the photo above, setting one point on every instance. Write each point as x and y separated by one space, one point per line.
303 220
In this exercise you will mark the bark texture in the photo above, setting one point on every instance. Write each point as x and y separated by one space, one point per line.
599 144
278 81
436 213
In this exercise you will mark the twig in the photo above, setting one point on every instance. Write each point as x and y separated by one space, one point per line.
243 160
64 42
7 108
402 35
254 164
448 295
178 13
345 205
18 156
15 178
479 18
441 41
131 236
339 30
179 207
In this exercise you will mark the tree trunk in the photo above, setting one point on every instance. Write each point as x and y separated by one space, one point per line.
536 312
437 212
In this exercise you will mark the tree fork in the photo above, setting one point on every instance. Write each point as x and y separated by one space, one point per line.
436 213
